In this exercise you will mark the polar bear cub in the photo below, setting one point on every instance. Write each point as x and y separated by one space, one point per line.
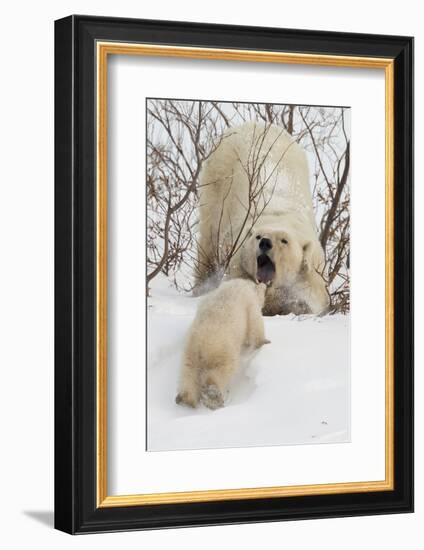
228 321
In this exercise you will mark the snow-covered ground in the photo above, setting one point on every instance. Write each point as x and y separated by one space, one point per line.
292 391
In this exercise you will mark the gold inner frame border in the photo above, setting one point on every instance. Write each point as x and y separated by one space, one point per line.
103 50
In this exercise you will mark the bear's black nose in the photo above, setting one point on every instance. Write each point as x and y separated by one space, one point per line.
265 244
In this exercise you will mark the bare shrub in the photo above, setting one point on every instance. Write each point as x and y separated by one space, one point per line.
182 134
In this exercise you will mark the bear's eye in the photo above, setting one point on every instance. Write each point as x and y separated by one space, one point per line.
284 241
258 237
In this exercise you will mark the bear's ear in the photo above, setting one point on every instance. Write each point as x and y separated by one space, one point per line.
312 257
307 258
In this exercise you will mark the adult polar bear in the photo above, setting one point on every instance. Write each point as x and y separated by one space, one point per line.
256 219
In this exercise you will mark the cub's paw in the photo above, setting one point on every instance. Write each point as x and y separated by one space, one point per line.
262 343
211 397
185 398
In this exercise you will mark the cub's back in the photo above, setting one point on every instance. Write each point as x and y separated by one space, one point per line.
228 305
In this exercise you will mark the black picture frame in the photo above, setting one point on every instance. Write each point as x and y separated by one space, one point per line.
76 509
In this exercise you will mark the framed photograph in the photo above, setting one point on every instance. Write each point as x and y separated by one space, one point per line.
234 274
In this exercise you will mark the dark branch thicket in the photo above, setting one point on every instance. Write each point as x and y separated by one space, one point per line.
182 134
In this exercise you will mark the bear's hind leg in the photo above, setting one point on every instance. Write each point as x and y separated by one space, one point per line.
215 384
189 391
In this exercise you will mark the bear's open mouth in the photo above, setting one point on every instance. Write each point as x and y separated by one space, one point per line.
265 269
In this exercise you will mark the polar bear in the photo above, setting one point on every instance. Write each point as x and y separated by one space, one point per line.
228 321
256 219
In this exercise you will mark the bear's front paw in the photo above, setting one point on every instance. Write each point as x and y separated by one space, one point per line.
262 343
211 397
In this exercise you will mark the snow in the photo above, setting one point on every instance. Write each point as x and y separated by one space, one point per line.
290 392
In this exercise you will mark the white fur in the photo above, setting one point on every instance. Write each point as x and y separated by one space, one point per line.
228 321
267 164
